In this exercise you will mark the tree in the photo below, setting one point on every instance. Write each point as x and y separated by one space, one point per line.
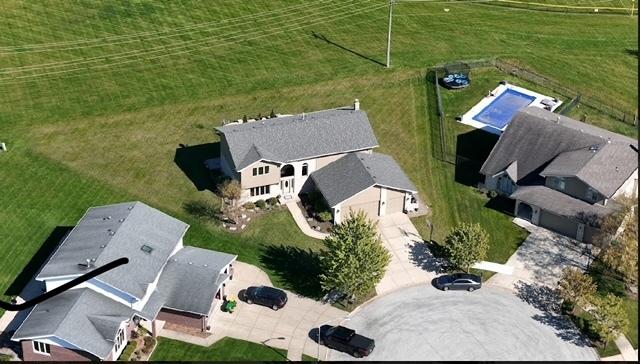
272 114
576 288
230 190
355 259
610 317
466 245
621 254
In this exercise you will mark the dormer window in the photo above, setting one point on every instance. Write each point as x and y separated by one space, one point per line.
592 195
560 183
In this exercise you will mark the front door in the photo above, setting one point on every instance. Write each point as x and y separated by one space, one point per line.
286 185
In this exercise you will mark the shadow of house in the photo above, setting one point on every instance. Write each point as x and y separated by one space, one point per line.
191 159
38 261
322 37
299 268
472 149
502 204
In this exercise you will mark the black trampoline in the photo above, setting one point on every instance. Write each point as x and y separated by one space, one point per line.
456 76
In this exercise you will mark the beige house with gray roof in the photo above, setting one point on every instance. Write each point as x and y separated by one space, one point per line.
327 150
563 174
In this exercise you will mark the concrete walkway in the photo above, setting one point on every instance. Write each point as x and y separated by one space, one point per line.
626 349
411 261
288 328
301 221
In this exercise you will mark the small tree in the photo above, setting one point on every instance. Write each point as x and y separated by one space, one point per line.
576 288
610 317
272 114
466 245
355 259
230 191
621 254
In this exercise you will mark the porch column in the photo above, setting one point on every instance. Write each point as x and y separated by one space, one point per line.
154 329
580 232
535 216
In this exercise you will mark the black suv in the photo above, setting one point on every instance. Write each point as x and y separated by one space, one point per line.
266 296
459 281
346 340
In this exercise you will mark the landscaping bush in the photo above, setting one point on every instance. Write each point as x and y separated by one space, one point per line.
149 342
261 204
249 205
325 216
4 357
272 201
128 350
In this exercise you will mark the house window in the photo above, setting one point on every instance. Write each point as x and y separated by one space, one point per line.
305 169
560 183
41 348
119 340
592 195
258 171
262 190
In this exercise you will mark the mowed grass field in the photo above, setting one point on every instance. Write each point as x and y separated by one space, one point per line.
97 98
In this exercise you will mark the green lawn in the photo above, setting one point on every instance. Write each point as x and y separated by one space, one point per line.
97 98
227 349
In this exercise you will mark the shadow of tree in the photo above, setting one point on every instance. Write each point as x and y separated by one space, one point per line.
429 256
38 260
546 300
202 209
190 159
502 204
298 268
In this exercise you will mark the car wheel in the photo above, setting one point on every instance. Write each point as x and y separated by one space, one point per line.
275 307
249 301
356 354
471 289
445 288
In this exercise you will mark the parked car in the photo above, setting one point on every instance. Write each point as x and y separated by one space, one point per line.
346 340
266 296
459 281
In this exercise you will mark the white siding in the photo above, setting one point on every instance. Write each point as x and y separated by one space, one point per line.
629 188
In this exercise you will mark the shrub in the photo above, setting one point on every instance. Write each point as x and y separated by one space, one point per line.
249 205
134 335
149 342
325 216
492 194
261 204
272 201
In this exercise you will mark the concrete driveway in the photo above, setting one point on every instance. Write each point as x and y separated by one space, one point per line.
422 323
288 328
411 262
541 258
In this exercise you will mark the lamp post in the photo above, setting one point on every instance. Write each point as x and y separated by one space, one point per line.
346 318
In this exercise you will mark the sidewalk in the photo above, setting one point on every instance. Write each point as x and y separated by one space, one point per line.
626 349
302 223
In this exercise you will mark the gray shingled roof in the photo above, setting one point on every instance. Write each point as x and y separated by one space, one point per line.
289 138
106 233
536 137
558 202
81 317
191 278
356 172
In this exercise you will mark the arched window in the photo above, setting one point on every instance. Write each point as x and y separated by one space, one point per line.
305 169
286 171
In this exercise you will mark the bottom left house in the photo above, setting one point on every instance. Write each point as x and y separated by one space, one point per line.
163 281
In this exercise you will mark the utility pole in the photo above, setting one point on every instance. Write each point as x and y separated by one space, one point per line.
391 2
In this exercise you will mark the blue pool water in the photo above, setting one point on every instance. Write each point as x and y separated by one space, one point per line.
502 109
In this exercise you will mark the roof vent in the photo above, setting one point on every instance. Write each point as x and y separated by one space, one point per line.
206 265
121 220
102 246
106 218
130 207
190 263
617 169
146 248
87 265
593 148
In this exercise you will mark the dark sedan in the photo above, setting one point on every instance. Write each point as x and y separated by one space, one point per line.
459 281
266 296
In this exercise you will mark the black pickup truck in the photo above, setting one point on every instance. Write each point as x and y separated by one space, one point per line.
346 340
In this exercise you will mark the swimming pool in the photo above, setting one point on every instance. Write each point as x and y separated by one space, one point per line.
502 109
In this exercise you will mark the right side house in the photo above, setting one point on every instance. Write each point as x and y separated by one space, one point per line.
563 174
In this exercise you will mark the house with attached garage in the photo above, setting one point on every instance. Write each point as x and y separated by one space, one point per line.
562 174
164 282
330 151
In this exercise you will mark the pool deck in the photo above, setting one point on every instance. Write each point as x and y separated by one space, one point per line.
468 117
